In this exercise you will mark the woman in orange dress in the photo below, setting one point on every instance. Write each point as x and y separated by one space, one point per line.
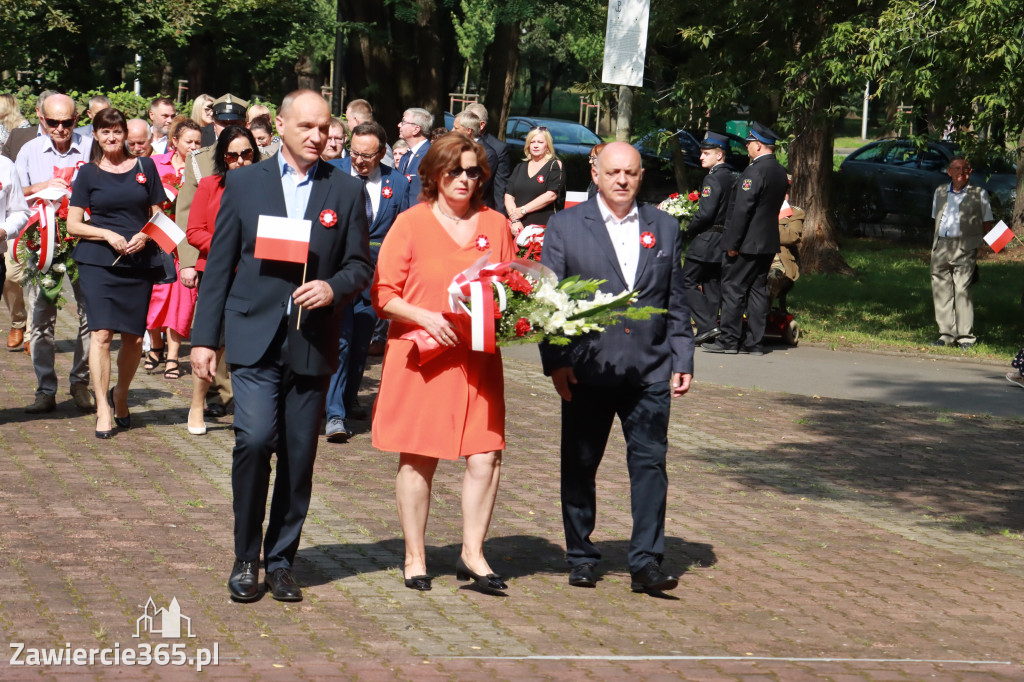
454 405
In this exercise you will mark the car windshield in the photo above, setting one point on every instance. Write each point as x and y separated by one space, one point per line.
563 132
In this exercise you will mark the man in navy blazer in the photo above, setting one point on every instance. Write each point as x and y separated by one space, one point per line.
414 128
282 323
632 369
387 195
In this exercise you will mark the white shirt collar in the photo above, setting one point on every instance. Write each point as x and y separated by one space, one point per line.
608 216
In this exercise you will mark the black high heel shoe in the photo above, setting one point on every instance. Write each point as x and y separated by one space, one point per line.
419 582
491 583
122 422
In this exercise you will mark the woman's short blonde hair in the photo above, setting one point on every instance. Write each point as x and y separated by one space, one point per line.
197 107
10 114
534 132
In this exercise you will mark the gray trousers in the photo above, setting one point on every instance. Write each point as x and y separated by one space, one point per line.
41 340
952 269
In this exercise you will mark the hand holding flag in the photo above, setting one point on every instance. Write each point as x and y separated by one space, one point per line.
164 232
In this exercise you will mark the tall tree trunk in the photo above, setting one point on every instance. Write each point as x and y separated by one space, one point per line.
501 80
542 92
1018 204
810 163
430 92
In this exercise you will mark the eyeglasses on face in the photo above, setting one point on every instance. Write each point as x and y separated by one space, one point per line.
245 154
208 108
473 172
63 123
360 155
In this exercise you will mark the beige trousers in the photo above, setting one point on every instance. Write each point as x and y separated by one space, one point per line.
14 295
952 269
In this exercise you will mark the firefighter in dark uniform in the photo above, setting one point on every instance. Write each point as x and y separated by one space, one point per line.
750 241
702 269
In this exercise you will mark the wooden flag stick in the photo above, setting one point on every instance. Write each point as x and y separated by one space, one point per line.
298 317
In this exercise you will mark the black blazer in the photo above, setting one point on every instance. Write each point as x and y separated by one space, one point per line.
634 352
501 170
752 226
251 295
715 194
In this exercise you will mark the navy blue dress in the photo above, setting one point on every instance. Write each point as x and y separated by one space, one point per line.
117 296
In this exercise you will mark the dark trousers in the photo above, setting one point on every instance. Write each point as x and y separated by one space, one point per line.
357 325
586 422
278 411
744 289
703 284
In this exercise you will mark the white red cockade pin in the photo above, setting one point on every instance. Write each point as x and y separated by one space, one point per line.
482 242
328 218
140 178
540 179
408 177
79 164
647 240
386 192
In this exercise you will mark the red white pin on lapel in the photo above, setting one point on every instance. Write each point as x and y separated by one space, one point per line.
386 192
647 240
482 242
540 179
328 218
140 178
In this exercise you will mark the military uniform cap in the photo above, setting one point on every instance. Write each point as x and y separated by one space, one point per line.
230 108
762 134
714 141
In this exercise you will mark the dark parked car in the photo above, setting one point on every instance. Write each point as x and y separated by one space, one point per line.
573 143
659 176
896 177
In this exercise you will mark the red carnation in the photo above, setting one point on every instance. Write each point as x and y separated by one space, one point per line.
515 281
31 245
674 195
62 212
523 327
693 196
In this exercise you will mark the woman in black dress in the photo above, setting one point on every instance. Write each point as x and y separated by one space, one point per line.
117 264
537 185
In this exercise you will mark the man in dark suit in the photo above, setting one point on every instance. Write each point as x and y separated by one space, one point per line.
387 194
633 369
750 242
282 324
500 171
414 128
702 270
469 124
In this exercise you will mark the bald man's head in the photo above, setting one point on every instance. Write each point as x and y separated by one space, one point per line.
617 172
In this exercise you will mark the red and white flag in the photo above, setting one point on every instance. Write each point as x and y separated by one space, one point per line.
164 232
282 239
573 198
786 211
999 236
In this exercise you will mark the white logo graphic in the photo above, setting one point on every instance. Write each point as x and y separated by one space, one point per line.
164 622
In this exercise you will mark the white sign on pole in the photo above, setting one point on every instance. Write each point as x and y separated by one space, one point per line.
625 42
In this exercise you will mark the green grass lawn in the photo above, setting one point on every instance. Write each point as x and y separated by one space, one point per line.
888 303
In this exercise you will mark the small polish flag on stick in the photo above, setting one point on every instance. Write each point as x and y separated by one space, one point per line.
282 239
999 236
786 211
573 198
164 232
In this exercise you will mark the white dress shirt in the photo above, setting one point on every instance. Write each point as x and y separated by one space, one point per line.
39 157
373 188
14 210
625 236
949 225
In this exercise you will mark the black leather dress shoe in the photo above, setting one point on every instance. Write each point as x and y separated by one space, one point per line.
244 584
492 583
583 576
652 578
418 582
282 585
709 335
752 350
717 348
214 411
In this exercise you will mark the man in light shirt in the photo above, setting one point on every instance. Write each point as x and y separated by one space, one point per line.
963 215
60 148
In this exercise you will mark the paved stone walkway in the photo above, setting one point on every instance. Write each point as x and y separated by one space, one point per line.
819 539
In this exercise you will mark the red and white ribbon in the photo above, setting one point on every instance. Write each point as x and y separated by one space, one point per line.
44 212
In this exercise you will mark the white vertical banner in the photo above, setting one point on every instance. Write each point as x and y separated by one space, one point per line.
625 42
